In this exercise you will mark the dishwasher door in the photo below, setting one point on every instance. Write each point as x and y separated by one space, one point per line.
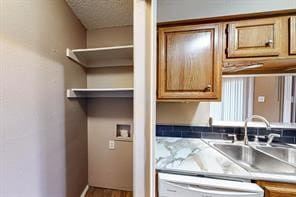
170 185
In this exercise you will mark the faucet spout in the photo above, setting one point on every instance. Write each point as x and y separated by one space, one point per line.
246 140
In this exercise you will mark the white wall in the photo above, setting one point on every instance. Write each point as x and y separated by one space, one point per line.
111 36
43 139
109 168
196 113
173 10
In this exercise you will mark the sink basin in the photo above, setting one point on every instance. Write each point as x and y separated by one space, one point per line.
254 160
286 154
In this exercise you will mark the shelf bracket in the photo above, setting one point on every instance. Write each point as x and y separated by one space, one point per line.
72 56
71 94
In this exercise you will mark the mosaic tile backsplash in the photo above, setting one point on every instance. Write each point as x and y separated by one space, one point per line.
287 135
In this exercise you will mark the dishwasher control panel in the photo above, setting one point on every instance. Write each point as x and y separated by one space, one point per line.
171 185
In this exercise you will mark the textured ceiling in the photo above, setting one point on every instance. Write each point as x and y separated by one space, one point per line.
95 14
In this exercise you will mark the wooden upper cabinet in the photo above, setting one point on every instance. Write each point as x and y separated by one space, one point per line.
254 38
189 64
293 35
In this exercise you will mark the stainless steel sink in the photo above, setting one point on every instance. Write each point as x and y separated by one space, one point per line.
254 160
286 154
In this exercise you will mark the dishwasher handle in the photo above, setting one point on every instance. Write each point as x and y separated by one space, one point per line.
211 190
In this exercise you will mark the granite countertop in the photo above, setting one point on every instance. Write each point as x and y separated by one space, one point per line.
196 157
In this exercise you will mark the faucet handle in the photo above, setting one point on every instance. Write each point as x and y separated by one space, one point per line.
257 137
270 138
233 136
273 135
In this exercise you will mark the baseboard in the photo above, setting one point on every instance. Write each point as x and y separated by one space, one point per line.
84 191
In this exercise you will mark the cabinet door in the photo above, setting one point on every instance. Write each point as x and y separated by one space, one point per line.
189 64
293 35
274 189
254 38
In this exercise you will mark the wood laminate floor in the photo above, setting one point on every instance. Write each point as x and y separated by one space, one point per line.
101 192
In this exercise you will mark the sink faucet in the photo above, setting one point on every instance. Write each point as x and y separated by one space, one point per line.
246 141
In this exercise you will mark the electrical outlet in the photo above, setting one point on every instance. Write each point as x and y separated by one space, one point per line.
111 144
261 99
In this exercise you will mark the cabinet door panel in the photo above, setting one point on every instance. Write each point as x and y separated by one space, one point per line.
254 38
189 62
262 34
293 35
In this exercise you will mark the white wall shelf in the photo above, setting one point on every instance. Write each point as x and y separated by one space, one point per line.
102 92
102 57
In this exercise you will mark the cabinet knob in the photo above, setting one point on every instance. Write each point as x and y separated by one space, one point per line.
208 88
269 43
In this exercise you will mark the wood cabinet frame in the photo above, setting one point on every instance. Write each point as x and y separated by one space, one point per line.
215 93
282 62
293 35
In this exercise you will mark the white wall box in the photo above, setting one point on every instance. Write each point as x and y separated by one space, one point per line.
124 132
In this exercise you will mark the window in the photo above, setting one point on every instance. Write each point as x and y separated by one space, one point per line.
234 104
273 97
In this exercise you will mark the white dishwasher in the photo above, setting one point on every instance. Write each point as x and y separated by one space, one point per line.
172 185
